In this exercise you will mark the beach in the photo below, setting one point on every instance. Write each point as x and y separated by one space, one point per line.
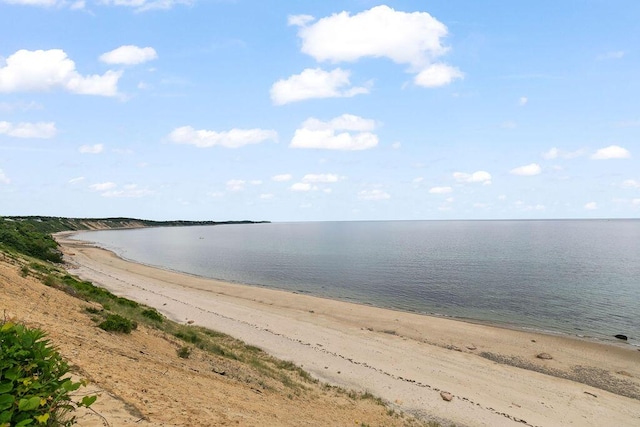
495 375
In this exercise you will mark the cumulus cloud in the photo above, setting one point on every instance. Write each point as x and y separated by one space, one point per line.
236 185
233 138
591 206
315 83
145 5
414 39
79 4
527 170
313 182
3 178
440 190
346 133
630 183
41 130
91 149
44 70
556 153
483 177
611 152
103 186
438 75
373 195
282 177
127 191
129 55
302 186
323 177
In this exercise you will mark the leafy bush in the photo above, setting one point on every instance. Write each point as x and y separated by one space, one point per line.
33 390
117 323
152 314
184 352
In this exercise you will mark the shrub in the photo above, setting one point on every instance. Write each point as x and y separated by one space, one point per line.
117 323
32 388
184 352
152 314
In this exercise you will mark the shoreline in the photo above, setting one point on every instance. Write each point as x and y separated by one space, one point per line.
405 358
601 338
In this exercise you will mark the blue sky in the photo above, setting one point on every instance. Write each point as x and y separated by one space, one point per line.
320 110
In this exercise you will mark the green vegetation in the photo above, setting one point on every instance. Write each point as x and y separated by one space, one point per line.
117 323
184 352
34 389
24 238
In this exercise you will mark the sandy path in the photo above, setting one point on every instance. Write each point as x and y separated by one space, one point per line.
404 358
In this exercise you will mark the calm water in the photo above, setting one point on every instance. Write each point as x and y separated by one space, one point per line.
573 277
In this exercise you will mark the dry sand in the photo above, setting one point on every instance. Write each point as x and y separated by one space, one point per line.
407 359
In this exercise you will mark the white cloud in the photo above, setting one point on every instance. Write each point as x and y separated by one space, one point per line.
616 54
555 153
233 138
527 170
373 195
42 130
324 178
414 39
591 206
315 83
611 152
76 180
299 20
282 177
301 186
43 70
523 101
631 183
438 75
267 196
236 185
346 132
6 107
41 3
128 191
103 186
75 5
91 149
483 177
129 55
3 178
396 145
440 190
145 5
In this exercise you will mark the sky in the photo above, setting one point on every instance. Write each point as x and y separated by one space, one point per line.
320 110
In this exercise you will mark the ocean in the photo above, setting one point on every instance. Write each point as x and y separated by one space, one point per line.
573 277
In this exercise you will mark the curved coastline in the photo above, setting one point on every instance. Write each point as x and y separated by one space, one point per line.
403 357
584 335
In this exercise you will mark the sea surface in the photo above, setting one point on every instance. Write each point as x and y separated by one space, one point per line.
575 277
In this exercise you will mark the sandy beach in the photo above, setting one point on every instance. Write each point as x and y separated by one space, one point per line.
494 374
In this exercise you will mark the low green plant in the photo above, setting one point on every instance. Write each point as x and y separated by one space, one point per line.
117 323
34 389
151 313
184 352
